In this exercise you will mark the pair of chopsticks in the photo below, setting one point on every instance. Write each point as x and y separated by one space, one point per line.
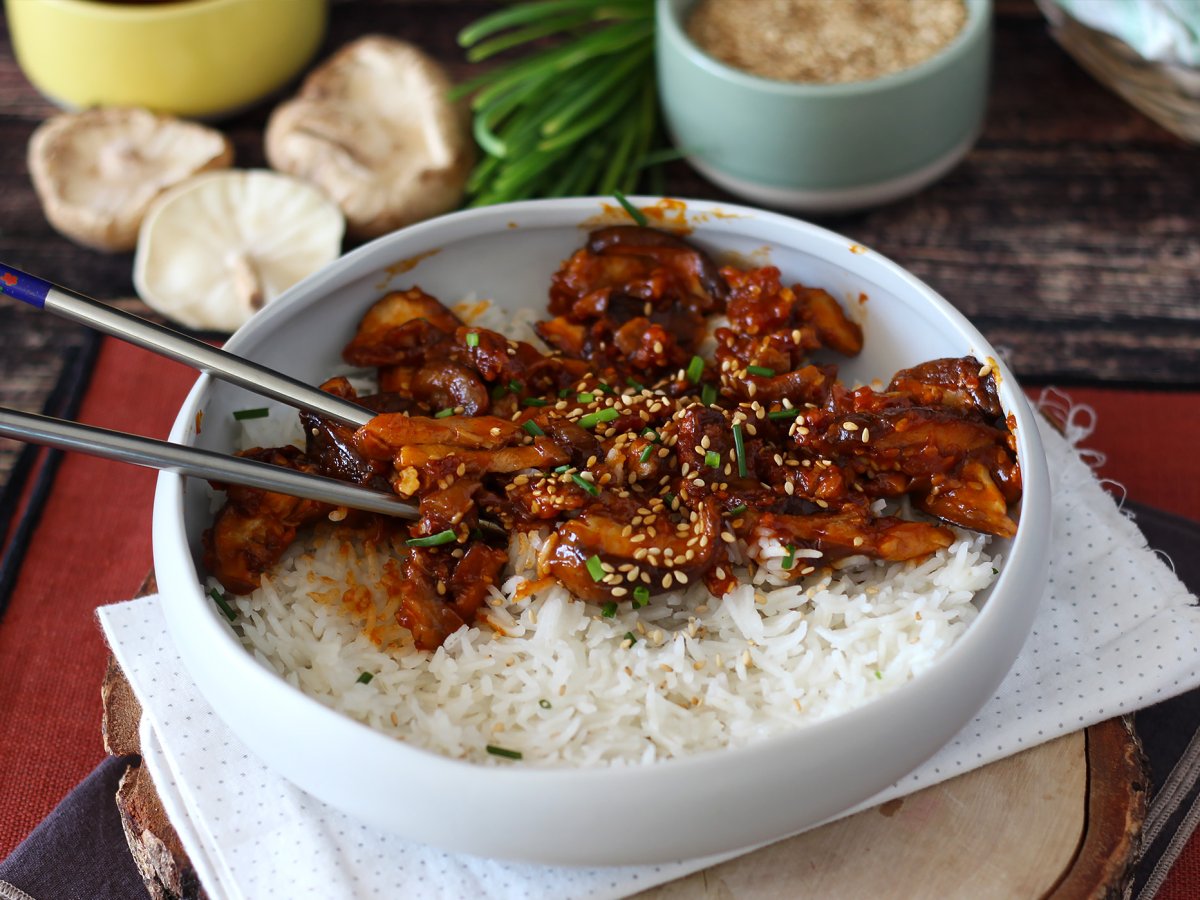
177 458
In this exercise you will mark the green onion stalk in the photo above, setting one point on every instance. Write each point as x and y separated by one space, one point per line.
576 113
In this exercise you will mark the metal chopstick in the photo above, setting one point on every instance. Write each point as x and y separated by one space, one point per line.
152 454
173 345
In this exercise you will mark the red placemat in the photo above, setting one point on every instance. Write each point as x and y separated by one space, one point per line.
93 546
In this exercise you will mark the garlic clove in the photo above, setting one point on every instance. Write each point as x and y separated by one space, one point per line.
97 172
372 128
217 248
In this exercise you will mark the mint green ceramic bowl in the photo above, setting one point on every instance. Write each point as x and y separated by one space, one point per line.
824 147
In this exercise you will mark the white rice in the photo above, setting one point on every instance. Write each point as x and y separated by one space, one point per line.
553 678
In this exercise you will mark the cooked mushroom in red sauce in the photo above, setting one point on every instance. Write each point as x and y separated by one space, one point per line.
643 459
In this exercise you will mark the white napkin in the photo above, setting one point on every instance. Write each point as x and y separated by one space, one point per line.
1117 631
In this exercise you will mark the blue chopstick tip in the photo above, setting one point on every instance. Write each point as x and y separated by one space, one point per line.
24 287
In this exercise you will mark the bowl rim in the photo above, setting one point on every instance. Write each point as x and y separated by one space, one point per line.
671 30
150 12
173 557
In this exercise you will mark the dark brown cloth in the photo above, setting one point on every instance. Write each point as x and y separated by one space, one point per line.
78 852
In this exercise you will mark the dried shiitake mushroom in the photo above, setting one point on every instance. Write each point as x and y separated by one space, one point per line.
373 128
218 247
96 172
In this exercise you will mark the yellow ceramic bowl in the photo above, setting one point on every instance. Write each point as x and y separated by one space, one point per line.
198 58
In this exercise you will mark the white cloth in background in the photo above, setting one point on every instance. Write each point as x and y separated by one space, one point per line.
1116 631
1165 31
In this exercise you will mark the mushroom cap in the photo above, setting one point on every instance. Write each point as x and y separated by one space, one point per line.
374 129
96 172
216 248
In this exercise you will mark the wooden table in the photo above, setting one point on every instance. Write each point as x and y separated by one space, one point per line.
1070 235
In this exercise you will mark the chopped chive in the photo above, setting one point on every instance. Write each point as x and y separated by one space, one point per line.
695 369
532 428
652 434
544 703
738 510
634 213
712 459
670 498
586 397
591 420
607 388
585 484
879 675
595 568
739 448
564 392
514 386
764 371
560 469
995 571
790 557
472 339
609 610
230 612
641 596
365 678
443 413
501 751
629 636
783 413
645 455
708 395
636 385
533 401
433 540
243 414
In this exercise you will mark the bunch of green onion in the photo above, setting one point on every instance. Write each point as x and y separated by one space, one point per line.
577 114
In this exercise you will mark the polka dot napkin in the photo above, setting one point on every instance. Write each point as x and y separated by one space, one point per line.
1117 631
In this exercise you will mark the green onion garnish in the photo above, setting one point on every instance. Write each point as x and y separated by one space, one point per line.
501 751
560 469
499 391
636 385
563 392
670 498
591 420
739 448
433 540
595 568
995 571
243 414
472 339
652 434
738 510
712 459
544 703
764 371
532 428
629 636
645 455
708 395
607 388
783 413
365 678
230 612
443 413
879 675
634 213
641 596
585 484
533 401
515 386
586 397
695 369
790 557
609 610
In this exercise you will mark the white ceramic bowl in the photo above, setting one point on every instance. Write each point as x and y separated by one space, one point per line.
683 808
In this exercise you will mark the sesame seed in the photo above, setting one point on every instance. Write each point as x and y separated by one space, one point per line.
850 426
